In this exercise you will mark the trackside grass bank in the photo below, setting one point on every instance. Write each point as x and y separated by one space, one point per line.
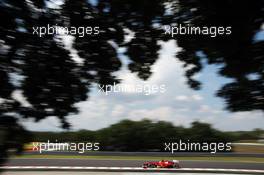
145 158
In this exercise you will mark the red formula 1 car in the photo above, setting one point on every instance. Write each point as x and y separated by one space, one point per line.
162 164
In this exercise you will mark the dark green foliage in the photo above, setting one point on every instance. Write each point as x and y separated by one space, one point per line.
143 135
239 54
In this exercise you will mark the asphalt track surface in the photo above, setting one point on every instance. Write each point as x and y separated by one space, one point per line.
98 173
129 163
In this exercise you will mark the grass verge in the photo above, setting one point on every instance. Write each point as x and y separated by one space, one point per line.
144 158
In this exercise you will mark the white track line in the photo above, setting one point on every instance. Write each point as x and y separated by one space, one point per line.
126 168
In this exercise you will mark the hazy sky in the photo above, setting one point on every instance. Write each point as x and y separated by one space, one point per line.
179 104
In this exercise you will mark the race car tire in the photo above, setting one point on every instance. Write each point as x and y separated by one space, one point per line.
152 166
176 166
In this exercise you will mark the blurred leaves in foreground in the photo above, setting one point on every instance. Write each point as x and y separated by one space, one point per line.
45 74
